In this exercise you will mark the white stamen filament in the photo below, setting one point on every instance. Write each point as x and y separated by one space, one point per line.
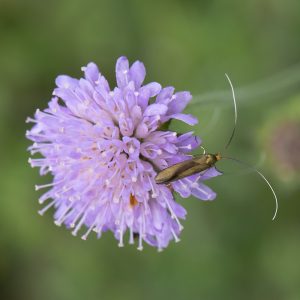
41 162
72 225
154 194
196 187
131 238
121 244
102 216
42 211
45 196
176 238
184 186
63 216
131 150
154 121
159 151
28 133
77 228
28 120
84 237
63 190
173 215
140 246
189 146
38 187
117 196
144 223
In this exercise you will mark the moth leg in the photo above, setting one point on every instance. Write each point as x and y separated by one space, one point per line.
170 187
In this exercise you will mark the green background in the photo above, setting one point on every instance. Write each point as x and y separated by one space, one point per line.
230 248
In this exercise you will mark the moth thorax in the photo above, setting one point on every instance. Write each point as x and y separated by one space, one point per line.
210 159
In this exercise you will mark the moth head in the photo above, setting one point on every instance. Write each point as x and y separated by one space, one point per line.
218 156
211 159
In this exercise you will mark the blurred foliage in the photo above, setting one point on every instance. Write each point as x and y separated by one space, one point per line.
230 248
281 138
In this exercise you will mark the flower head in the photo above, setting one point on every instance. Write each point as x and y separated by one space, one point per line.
104 148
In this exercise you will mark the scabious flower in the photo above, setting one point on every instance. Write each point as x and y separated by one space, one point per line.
104 148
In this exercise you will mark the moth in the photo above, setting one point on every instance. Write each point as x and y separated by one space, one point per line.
201 163
187 168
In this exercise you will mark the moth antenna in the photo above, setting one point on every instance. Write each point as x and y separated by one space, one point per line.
235 112
247 170
263 177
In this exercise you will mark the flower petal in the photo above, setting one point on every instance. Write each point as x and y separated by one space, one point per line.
209 173
155 109
122 69
203 192
65 82
189 119
165 95
141 131
152 88
187 142
180 101
182 188
91 72
137 73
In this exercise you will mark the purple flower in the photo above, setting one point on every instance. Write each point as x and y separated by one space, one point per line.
104 148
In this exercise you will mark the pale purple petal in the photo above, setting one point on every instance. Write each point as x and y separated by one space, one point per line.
66 82
146 92
187 142
91 72
188 119
152 89
165 95
182 188
141 131
209 173
137 73
203 192
180 101
122 70
155 109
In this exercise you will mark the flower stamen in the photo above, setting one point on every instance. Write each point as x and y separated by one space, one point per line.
133 201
